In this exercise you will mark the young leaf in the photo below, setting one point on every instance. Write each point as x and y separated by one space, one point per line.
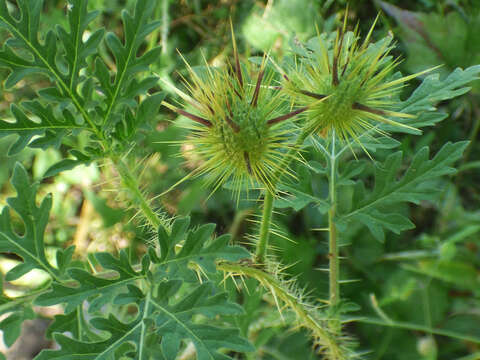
417 184
30 246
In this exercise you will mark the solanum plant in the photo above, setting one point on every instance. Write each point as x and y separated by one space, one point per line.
260 128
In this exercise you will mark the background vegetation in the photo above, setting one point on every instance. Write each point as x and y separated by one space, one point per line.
428 275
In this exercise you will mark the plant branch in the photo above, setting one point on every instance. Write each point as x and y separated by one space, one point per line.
334 288
269 199
304 312
264 227
143 331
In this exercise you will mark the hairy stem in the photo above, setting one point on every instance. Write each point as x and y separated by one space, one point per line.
131 182
269 199
265 227
305 313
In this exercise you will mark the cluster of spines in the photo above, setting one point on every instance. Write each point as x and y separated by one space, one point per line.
223 98
356 76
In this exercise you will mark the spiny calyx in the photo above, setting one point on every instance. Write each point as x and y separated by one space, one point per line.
239 130
355 81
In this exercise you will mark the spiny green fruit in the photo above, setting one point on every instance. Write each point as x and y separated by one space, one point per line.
355 80
239 128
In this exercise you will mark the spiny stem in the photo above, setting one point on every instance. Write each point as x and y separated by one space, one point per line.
269 198
265 227
334 288
327 341
131 182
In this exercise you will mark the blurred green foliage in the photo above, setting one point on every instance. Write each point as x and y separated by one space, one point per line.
429 275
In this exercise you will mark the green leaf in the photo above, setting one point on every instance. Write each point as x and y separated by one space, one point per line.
25 31
11 326
164 317
68 164
45 57
416 184
29 246
76 49
199 246
64 323
117 344
124 86
17 312
98 290
52 127
174 321
299 194
433 90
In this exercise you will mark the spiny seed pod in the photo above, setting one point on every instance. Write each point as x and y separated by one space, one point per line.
355 80
239 128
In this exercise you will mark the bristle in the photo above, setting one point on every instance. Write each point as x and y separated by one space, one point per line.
247 161
338 49
193 117
257 89
313 95
238 69
358 106
286 116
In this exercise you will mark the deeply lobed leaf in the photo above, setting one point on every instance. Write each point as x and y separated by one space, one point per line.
29 246
416 184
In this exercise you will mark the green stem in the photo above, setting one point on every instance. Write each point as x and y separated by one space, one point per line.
165 26
269 198
335 324
334 288
265 227
131 183
305 313
143 331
